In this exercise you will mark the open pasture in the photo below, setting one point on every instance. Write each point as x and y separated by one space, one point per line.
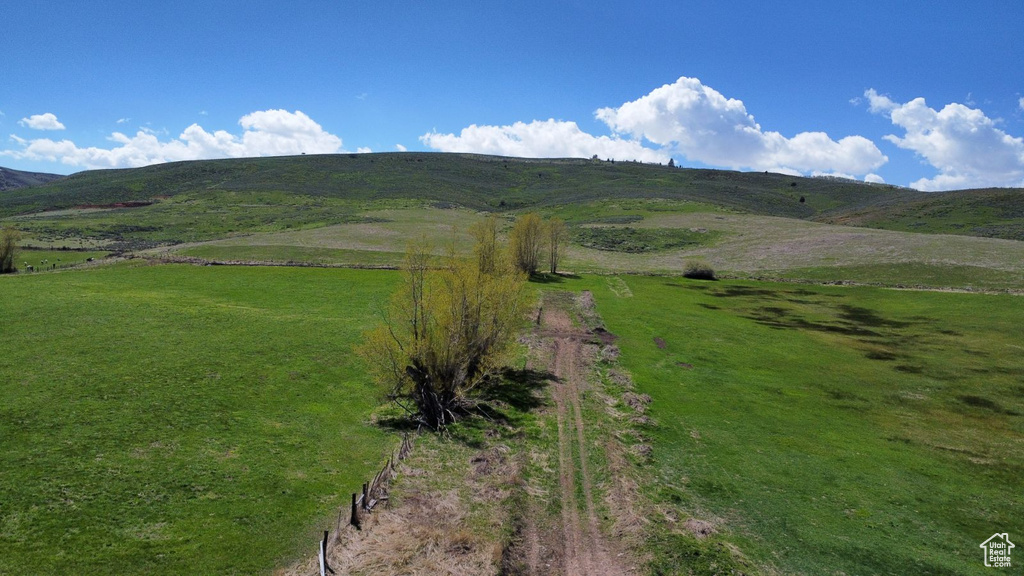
660 236
828 430
180 419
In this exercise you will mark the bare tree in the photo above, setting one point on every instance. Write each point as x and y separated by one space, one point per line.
556 240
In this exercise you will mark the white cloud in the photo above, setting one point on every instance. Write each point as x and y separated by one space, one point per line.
265 133
204 113
123 120
874 179
45 121
401 148
363 150
962 143
541 139
1019 103
700 123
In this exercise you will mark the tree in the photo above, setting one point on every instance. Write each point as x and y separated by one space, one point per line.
525 242
447 329
487 249
556 238
671 163
8 250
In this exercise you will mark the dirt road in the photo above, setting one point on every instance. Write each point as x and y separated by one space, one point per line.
585 549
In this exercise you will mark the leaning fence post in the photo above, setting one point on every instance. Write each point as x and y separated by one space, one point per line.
355 513
324 567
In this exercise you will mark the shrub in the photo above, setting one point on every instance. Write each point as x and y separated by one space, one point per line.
448 329
8 250
699 270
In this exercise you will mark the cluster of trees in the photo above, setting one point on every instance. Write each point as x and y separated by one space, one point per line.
8 250
453 322
533 242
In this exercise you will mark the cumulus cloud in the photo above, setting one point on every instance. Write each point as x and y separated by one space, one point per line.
874 179
962 143
363 150
265 133
541 139
47 121
700 123
401 148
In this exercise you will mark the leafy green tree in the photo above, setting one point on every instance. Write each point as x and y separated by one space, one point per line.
8 250
448 328
487 248
526 242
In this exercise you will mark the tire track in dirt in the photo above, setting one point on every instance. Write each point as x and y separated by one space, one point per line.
586 549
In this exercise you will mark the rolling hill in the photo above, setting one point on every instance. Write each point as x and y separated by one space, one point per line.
472 181
500 184
14 179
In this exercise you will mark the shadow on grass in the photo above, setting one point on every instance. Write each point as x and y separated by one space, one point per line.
500 403
544 278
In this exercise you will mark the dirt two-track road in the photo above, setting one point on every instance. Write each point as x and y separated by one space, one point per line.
574 543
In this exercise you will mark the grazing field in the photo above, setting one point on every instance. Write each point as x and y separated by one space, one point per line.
380 239
180 419
827 430
55 259
660 236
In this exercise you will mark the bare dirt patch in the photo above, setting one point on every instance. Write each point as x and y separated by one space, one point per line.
699 528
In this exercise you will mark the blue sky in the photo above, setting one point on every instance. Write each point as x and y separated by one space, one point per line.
929 94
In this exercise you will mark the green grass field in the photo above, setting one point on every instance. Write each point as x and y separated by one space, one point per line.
55 259
829 430
181 419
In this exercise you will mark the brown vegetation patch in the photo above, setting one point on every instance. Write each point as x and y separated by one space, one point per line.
642 450
621 378
699 528
686 365
660 343
638 402
128 204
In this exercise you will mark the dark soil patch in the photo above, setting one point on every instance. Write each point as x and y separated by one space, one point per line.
604 336
686 365
660 342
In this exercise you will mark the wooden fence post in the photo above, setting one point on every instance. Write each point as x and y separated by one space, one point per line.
324 567
366 495
355 513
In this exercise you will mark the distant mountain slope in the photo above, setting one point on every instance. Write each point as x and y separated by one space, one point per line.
497 184
992 212
13 179
481 182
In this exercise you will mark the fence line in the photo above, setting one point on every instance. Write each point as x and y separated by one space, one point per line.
373 493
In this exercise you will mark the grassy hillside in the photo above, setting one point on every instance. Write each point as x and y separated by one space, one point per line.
995 213
180 419
473 181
